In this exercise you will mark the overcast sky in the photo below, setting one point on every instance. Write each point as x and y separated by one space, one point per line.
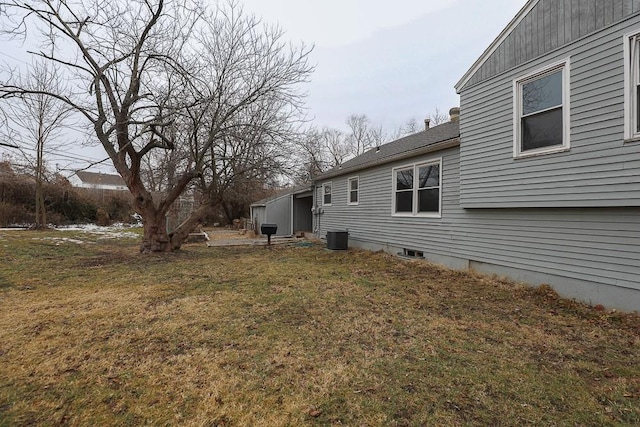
391 60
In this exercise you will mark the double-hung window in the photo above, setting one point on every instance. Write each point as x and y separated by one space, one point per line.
417 189
403 189
632 86
326 194
541 111
354 194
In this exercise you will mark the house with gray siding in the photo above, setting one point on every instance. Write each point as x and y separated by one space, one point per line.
290 210
539 178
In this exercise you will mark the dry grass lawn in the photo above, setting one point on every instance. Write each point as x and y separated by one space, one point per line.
91 333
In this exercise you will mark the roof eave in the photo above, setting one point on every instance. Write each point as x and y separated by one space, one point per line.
302 190
496 43
453 142
292 192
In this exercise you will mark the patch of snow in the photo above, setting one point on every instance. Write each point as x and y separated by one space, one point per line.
60 240
138 219
120 235
115 231
90 228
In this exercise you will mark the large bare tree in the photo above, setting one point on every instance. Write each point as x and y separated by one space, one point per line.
318 151
163 75
438 117
34 121
363 135
359 138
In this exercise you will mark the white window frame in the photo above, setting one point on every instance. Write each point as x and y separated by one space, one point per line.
631 43
349 191
415 190
330 185
565 66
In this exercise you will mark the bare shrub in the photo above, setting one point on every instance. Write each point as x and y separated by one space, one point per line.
12 214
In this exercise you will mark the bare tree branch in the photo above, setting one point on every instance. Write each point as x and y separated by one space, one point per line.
208 97
34 119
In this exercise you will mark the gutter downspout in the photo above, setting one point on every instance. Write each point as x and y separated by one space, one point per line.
316 210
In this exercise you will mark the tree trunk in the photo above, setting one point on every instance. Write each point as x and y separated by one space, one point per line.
181 233
155 238
41 218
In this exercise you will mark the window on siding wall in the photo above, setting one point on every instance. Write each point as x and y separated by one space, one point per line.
541 122
326 194
632 86
404 190
429 188
354 194
417 189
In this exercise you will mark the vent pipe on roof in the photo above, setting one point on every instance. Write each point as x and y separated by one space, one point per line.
427 123
454 114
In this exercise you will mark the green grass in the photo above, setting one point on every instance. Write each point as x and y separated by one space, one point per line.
93 333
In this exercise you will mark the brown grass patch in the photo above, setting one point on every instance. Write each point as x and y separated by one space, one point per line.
95 334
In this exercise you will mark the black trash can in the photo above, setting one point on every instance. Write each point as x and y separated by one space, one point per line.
338 240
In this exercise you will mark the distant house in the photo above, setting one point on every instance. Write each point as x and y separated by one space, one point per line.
98 180
539 177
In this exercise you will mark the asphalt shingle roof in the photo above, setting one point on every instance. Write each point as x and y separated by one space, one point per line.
400 148
94 178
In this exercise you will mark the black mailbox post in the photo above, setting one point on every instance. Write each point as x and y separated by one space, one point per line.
268 229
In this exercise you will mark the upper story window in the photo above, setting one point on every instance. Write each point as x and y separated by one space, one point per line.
354 194
417 189
632 86
326 194
541 111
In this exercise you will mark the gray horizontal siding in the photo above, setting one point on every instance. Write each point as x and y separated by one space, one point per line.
600 245
599 170
279 212
549 25
371 219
